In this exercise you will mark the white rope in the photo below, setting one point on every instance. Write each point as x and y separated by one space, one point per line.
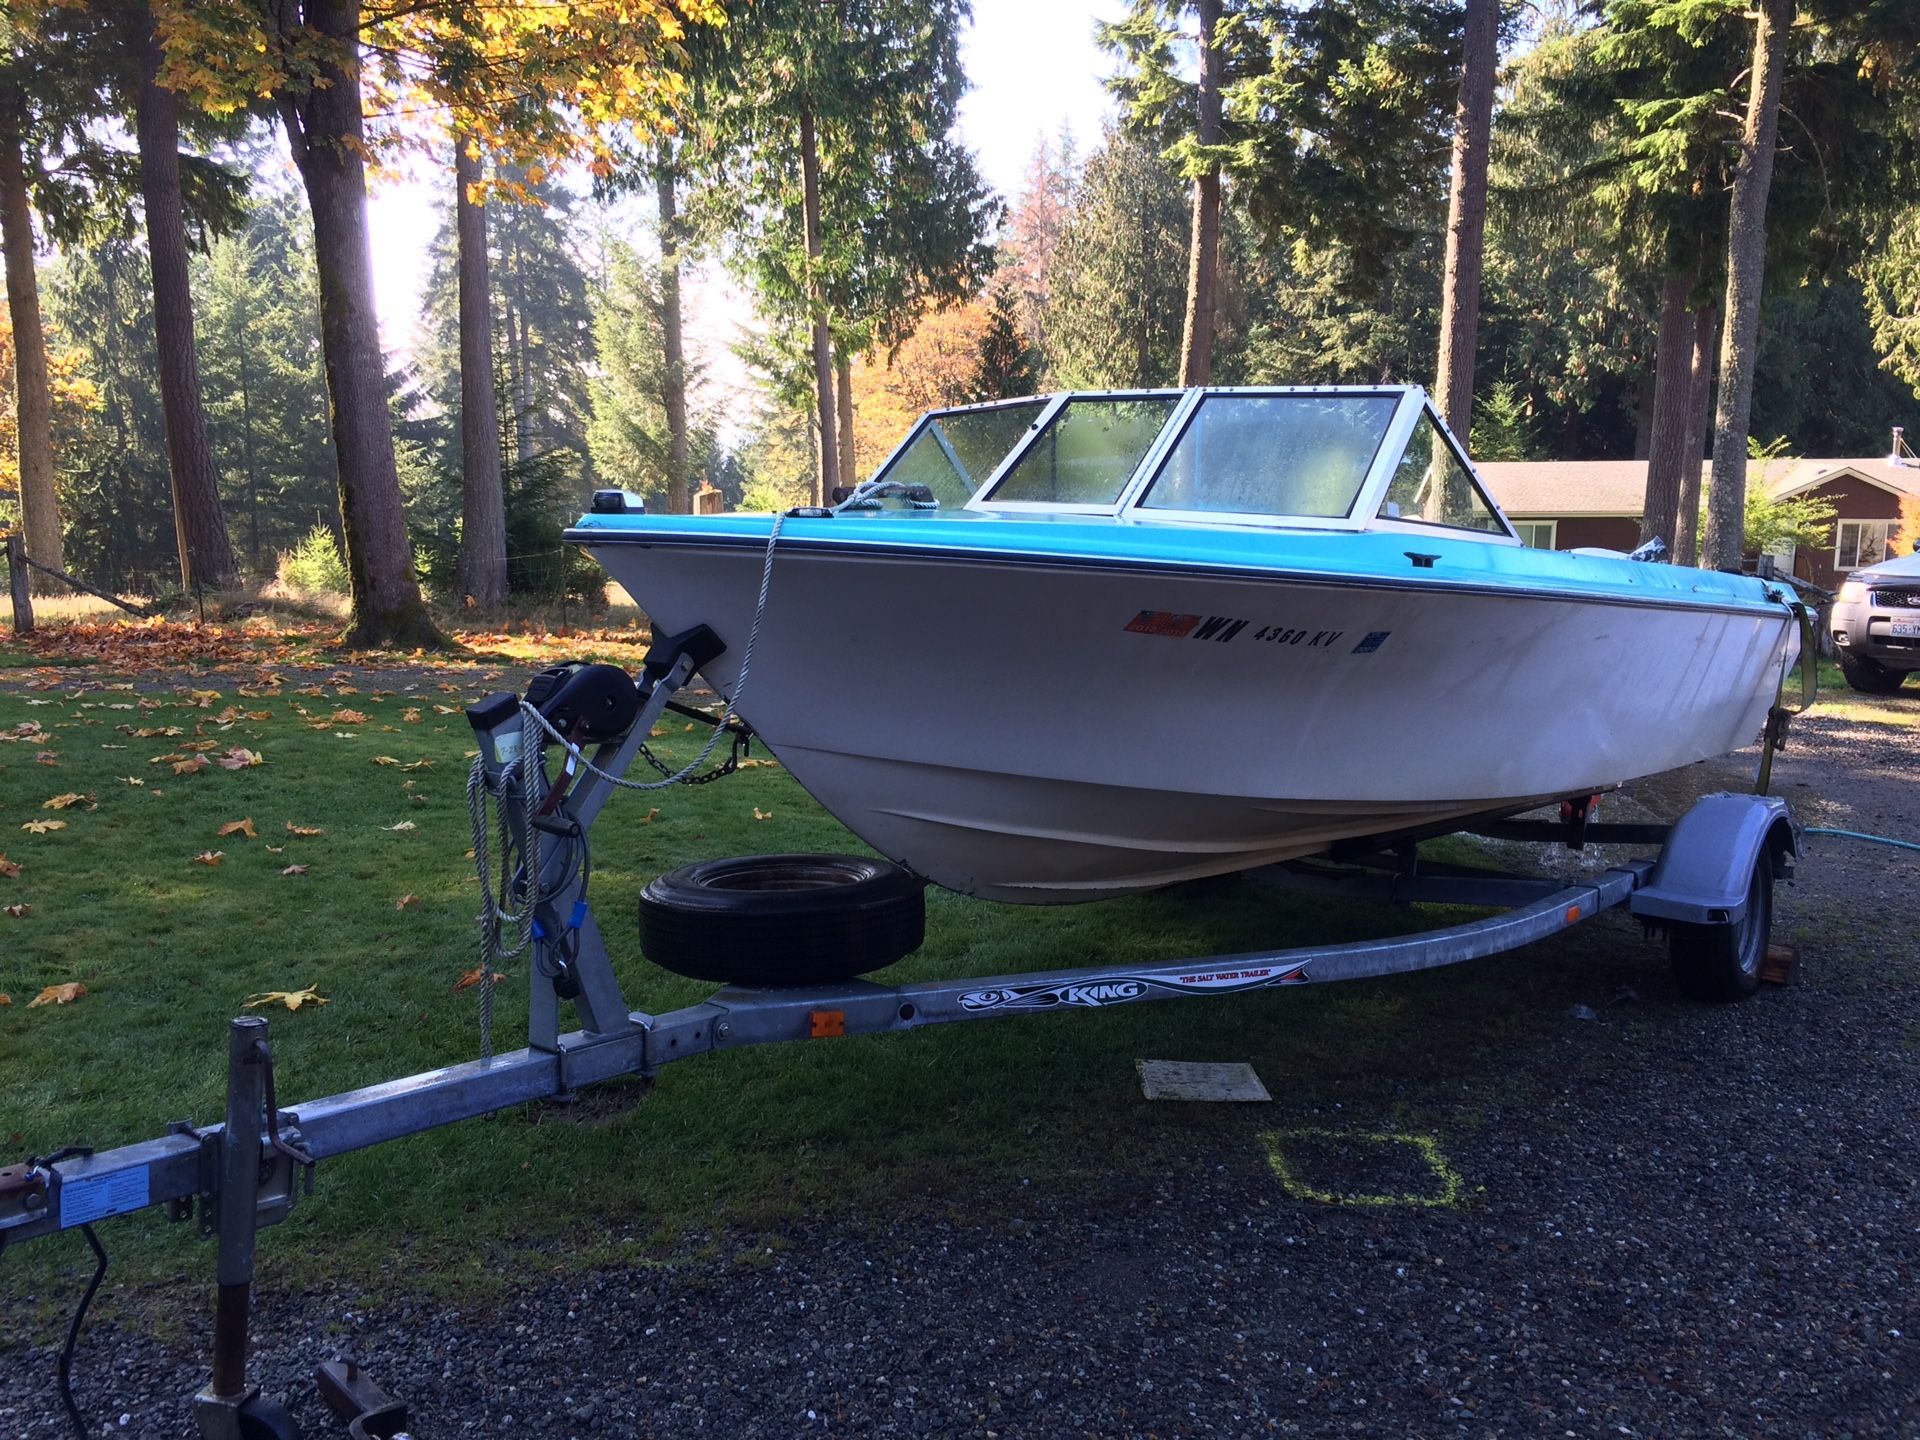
536 723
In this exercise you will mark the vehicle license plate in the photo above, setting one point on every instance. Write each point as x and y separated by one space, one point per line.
1906 629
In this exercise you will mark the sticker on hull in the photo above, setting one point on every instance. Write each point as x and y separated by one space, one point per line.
1221 629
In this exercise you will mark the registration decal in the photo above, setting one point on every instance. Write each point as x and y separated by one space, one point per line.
1163 623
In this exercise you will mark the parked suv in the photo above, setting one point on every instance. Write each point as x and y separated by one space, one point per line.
1876 625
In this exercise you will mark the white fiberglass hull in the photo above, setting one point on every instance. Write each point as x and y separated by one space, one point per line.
1037 732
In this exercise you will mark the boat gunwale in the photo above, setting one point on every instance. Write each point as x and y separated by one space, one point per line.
1426 582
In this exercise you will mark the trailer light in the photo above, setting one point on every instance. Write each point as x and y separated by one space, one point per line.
1573 913
826 1024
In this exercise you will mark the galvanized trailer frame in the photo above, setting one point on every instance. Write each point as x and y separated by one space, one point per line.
245 1174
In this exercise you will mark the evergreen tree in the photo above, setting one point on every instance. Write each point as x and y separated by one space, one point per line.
883 213
628 433
543 343
1117 276
113 473
1033 229
264 382
1191 120
1006 361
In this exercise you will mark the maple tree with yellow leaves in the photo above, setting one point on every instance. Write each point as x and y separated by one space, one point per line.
538 83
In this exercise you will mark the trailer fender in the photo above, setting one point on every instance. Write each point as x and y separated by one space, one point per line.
1706 869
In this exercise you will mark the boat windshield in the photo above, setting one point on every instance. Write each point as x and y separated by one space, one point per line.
1088 451
956 450
1304 455
1431 487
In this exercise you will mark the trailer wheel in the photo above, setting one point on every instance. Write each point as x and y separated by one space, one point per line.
1722 962
776 920
264 1419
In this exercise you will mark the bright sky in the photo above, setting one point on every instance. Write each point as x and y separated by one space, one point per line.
1034 67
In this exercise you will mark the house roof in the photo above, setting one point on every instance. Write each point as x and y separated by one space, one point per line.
1555 489
1798 475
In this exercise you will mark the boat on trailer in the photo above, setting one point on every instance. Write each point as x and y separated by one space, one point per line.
1078 645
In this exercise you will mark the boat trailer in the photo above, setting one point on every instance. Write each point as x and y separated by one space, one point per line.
1710 886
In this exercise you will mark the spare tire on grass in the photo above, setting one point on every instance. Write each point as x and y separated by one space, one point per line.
775 920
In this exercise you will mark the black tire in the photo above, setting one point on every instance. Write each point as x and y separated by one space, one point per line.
1869 677
1723 962
264 1419
775 920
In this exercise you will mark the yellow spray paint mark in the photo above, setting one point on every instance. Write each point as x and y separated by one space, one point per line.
1425 1147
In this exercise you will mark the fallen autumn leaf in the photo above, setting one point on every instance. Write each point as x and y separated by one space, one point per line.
239 827
65 994
209 857
292 999
41 827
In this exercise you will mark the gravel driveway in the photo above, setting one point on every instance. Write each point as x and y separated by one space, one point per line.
1678 1220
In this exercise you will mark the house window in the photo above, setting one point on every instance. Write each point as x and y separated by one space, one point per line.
1539 534
1861 543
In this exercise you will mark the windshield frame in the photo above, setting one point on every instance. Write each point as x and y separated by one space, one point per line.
1184 401
1048 404
1411 403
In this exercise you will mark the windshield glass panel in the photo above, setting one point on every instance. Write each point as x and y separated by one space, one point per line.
1302 455
1431 487
956 450
1088 452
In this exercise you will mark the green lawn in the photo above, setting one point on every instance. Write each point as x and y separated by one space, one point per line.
952 1118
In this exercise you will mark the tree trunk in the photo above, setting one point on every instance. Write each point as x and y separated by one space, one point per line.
1203 252
843 398
1687 546
1746 273
328 142
483 507
199 525
247 448
39 505
816 303
673 379
1672 389
1467 218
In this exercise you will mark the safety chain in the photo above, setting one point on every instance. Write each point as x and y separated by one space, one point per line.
742 747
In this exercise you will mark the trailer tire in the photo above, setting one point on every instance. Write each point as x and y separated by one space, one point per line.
1723 962
776 920
264 1419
